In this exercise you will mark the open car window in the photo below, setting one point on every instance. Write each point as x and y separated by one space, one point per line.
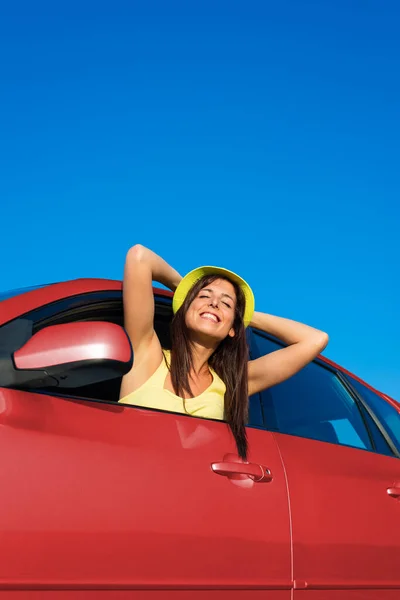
95 306
107 306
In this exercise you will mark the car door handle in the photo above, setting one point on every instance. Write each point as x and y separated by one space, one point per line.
256 472
394 491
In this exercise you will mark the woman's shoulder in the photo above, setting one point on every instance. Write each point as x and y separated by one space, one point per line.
218 384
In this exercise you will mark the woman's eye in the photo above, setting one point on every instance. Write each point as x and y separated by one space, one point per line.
204 296
226 304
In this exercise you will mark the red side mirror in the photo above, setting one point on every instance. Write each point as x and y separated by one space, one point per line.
70 355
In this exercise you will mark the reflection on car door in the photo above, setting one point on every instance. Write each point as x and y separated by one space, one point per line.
107 497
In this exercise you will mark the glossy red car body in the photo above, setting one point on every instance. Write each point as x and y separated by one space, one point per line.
103 500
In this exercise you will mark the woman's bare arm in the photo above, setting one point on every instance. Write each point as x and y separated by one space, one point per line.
142 267
304 344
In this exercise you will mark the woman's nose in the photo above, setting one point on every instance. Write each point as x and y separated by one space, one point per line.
214 302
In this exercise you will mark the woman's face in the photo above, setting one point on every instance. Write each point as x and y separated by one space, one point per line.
212 312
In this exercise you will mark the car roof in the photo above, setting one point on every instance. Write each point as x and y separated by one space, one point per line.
17 292
20 301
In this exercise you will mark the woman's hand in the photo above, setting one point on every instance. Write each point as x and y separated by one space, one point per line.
160 270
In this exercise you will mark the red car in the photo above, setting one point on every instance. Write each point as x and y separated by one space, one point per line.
104 500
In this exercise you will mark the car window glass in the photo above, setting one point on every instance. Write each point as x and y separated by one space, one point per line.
386 413
313 404
381 445
255 411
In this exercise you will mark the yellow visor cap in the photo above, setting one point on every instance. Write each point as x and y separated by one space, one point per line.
192 277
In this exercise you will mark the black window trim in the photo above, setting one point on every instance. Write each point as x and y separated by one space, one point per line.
60 301
361 404
361 401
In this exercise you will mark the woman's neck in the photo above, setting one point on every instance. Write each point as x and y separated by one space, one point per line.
200 358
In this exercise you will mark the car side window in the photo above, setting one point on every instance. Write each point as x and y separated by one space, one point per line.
386 413
107 306
94 306
313 404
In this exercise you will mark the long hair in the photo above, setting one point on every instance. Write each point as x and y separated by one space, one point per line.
229 361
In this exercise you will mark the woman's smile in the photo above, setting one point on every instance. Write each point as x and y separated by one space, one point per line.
210 317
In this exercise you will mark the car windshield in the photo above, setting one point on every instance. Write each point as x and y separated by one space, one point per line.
18 292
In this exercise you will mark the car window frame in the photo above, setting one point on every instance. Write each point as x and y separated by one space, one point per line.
378 422
359 401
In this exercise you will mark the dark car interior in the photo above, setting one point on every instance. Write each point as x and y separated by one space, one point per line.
111 310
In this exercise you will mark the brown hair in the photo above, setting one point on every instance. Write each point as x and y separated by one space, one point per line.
229 361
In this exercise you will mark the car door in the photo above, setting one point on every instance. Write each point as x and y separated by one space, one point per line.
342 478
102 497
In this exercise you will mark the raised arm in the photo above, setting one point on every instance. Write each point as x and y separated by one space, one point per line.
142 267
304 344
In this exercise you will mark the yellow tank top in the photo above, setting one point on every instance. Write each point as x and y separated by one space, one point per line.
209 404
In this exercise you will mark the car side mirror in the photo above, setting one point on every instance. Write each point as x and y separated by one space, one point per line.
68 355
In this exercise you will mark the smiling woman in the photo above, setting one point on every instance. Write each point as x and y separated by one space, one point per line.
207 373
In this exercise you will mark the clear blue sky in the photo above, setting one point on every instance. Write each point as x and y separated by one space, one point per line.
261 136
